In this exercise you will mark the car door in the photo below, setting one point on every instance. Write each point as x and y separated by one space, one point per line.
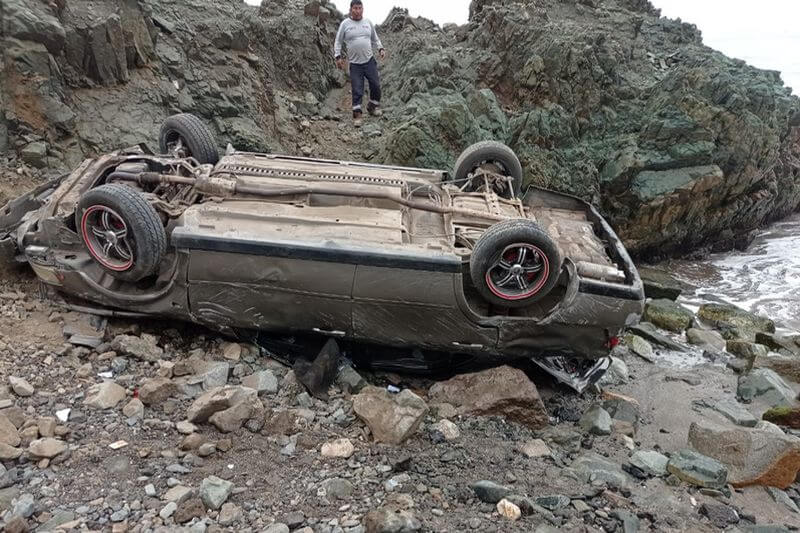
258 287
415 305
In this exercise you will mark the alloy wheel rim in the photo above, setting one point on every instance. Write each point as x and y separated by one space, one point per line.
519 272
106 236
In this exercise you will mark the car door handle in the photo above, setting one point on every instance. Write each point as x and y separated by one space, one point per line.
469 346
331 333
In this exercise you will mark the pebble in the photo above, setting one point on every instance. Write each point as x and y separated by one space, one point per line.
508 510
168 510
20 386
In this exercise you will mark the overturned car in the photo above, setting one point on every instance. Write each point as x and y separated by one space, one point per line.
404 257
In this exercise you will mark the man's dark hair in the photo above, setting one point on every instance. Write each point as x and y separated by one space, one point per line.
356 3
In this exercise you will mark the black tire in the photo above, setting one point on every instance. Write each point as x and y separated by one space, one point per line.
538 270
197 138
116 208
489 152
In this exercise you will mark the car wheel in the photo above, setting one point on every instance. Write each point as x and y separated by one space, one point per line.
185 135
492 156
121 231
515 263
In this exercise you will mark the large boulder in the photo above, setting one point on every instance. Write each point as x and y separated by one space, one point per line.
730 316
33 21
668 315
659 284
787 367
392 418
784 344
752 456
784 416
502 391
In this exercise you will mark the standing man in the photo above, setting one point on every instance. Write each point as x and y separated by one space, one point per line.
360 37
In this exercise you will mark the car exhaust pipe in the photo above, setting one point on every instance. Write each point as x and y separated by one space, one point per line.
215 186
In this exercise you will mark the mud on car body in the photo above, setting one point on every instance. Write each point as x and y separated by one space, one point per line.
460 263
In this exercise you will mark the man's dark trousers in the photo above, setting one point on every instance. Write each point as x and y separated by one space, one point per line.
359 71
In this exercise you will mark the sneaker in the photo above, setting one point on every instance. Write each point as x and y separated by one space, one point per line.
375 111
357 120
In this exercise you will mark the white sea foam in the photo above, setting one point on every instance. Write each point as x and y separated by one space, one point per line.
763 279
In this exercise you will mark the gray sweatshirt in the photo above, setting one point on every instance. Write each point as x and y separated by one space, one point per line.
360 37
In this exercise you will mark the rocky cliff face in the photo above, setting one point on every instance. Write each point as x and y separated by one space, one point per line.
680 146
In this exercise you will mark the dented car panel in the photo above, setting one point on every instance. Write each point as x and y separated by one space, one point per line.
347 250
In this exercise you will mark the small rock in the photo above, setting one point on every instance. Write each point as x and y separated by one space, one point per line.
392 418
508 510
9 453
447 429
232 351
781 497
185 427
46 448
144 347
698 469
592 468
391 521
8 432
264 382
338 448
25 506
189 510
719 514
230 514
650 462
206 449
338 488
766 385
617 373
489 491
20 386
134 409
732 411
277 528
47 426
596 421
155 391
349 380
168 510
178 494
554 502
215 491
535 448
639 346
705 338
104 395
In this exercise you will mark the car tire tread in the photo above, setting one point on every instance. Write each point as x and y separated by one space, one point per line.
147 230
198 137
503 234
